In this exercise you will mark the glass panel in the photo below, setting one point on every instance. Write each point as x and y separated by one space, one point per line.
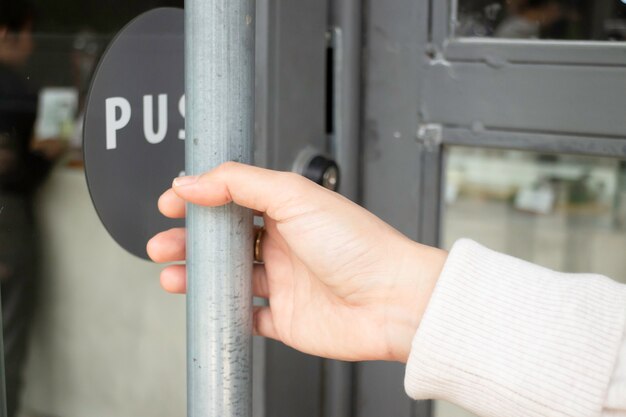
103 338
563 212
603 20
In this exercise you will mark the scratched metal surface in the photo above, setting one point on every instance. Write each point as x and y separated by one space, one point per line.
219 78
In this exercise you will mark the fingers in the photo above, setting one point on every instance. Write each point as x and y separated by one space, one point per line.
168 246
174 279
171 205
174 207
263 324
260 287
259 189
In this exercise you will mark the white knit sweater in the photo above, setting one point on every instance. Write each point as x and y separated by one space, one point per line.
505 338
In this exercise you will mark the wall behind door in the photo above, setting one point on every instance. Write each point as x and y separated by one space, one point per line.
107 342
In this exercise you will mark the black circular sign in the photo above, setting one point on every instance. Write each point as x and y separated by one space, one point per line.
134 127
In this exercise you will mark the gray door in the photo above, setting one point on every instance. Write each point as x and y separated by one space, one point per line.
308 79
449 93
291 56
293 96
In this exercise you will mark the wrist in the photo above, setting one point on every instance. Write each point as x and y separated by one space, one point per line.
417 277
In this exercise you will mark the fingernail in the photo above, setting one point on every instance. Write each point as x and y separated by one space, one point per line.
183 181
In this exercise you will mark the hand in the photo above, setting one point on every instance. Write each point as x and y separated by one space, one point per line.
341 283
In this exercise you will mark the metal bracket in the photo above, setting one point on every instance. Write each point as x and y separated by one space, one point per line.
431 136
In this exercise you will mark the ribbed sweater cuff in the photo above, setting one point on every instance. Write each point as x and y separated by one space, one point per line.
503 337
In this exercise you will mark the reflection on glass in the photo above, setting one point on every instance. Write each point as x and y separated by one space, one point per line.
564 212
543 19
48 53
567 213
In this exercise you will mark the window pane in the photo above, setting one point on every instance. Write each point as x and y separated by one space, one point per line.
563 212
86 329
543 19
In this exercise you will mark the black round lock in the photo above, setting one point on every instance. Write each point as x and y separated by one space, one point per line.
323 171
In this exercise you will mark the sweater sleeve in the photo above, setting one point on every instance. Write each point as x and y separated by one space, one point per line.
503 337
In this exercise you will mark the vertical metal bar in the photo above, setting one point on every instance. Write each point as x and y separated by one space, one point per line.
346 21
346 16
441 22
430 137
219 84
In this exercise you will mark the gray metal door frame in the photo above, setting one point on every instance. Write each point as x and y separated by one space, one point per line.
396 38
290 107
563 97
425 90
293 42
296 87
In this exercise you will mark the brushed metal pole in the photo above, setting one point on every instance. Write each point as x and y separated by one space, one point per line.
219 84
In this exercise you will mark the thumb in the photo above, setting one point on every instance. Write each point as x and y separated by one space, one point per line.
256 188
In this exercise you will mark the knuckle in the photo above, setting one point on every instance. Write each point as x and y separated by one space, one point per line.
295 181
222 170
229 165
